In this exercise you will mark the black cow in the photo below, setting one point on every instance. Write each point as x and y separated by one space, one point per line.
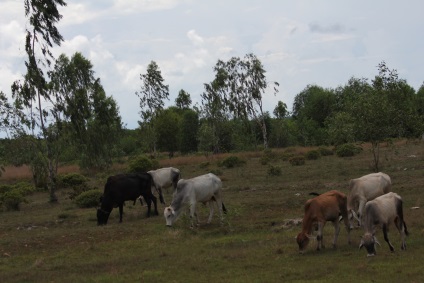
123 187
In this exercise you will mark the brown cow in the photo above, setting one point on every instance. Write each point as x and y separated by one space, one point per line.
325 207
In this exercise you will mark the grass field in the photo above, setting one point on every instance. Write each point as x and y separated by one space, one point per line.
61 243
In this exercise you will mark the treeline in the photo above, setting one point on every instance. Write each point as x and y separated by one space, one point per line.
60 111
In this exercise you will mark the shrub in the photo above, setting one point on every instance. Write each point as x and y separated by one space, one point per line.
347 150
88 199
12 199
274 170
232 161
312 155
142 163
72 180
297 160
324 151
265 160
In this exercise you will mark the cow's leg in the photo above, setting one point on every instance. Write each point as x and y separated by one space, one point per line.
320 244
362 203
154 199
121 211
392 249
401 228
211 209
193 214
220 208
336 232
149 204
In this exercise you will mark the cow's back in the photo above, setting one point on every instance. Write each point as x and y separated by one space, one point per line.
383 208
370 186
200 188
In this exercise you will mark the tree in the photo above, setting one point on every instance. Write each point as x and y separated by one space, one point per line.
280 111
241 84
93 118
183 101
189 127
375 112
152 95
32 94
167 129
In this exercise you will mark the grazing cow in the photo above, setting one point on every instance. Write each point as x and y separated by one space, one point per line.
318 210
364 189
205 188
382 211
164 178
122 187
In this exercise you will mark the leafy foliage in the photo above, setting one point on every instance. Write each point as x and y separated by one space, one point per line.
141 164
297 160
347 150
89 198
274 170
312 155
232 161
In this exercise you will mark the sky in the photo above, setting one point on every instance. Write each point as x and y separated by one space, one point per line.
299 42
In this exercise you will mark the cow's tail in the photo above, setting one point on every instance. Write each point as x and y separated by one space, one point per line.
223 208
406 229
176 176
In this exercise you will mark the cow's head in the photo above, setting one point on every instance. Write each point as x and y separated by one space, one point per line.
170 216
102 216
352 217
369 241
302 240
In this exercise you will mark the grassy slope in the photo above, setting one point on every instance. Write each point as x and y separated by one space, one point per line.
61 243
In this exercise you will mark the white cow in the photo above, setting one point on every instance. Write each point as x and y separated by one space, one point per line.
205 188
163 178
382 211
364 189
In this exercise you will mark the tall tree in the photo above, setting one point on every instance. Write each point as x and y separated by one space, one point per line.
189 127
152 94
280 111
94 121
242 84
183 101
32 94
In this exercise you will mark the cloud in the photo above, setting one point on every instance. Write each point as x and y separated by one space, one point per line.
332 28
140 6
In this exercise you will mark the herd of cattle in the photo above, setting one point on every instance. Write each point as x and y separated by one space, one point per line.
369 204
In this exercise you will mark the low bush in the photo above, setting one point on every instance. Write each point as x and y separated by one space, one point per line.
12 199
274 170
232 161
312 155
88 198
71 180
141 164
297 160
347 150
324 151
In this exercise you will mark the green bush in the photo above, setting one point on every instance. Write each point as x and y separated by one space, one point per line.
265 160
312 155
141 164
231 162
347 150
72 180
88 199
324 151
297 160
274 170
12 199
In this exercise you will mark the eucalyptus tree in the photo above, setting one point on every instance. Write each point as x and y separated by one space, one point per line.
31 95
152 94
243 83
183 100
93 118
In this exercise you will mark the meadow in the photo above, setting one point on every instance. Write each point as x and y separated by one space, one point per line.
62 243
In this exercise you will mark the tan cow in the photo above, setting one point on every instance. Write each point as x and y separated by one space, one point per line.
325 207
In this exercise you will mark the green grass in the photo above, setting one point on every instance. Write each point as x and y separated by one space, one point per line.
62 243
